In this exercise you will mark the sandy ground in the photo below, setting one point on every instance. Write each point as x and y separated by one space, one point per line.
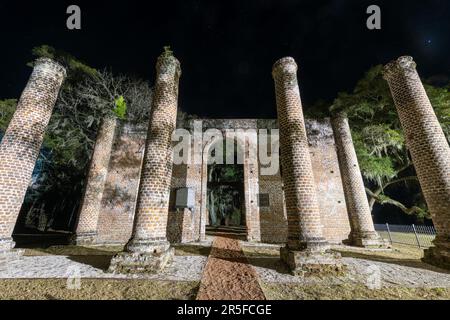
52 274
395 274
97 289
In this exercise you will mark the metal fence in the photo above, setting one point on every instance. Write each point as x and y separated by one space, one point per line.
413 235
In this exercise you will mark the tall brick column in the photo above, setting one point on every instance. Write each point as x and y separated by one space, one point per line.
363 233
148 250
306 248
22 141
86 230
429 150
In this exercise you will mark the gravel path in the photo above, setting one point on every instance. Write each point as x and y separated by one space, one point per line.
272 270
93 267
228 275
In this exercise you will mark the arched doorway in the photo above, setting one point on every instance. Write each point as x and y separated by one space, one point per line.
229 188
226 199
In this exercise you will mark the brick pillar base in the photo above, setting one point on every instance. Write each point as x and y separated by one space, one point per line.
306 249
439 255
148 250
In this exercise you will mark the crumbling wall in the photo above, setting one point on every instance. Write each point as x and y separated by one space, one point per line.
327 176
119 198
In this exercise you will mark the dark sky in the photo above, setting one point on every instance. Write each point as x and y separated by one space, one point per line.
227 48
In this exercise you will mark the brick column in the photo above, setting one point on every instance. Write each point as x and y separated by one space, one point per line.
86 231
363 233
306 248
22 141
429 150
148 250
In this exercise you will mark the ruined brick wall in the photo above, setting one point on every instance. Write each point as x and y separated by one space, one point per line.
428 146
22 141
119 197
273 218
327 177
86 230
181 223
328 183
116 217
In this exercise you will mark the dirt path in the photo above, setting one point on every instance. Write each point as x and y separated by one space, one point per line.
228 274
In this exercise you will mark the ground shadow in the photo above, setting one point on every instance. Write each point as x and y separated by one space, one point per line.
196 250
98 262
71 251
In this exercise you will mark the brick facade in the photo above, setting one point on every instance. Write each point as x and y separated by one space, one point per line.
22 141
185 225
115 222
363 232
148 249
429 150
306 245
327 178
86 230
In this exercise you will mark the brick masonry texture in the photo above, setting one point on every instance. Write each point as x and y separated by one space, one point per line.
20 145
327 176
305 230
270 223
119 197
429 149
148 249
154 190
362 229
86 231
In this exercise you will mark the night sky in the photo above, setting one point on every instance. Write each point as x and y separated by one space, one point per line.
227 48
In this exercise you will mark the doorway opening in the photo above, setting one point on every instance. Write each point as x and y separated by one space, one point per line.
225 195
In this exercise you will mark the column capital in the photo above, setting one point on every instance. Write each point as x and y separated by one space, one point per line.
402 65
51 65
339 115
286 65
168 65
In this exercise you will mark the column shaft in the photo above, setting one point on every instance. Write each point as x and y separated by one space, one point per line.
86 230
304 225
148 249
306 245
22 141
362 229
429 149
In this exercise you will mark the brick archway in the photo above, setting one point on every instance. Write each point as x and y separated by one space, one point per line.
251 186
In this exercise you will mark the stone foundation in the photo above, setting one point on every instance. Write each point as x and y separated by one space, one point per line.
7 253
311 262
142 257
439 255
85 238
368 240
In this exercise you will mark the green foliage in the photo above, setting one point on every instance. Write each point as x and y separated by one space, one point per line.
7 109
376 130
76 70
121 107
167 51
